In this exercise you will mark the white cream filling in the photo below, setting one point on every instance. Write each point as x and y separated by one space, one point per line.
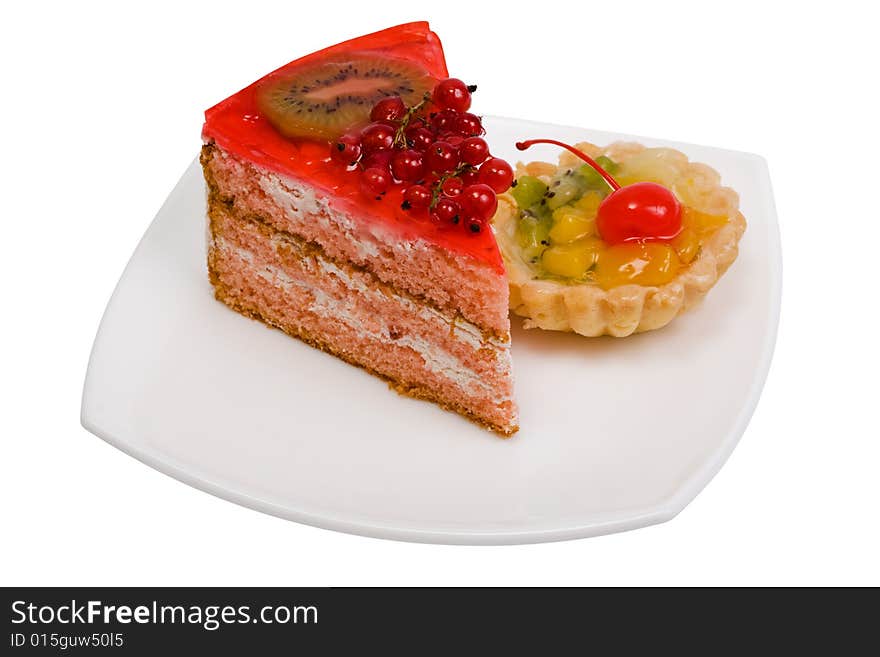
296 199
462 328
436 359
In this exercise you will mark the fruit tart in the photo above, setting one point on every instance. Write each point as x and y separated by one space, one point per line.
615 240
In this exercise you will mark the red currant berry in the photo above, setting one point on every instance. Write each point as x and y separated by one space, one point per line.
470 177
473 150
452 94
468 125
419 138
479 200
417 196
408 165
446 211
442 157
444 120
378 160
474 224
496 173
375 181
391 108
452 186
377 137
346 150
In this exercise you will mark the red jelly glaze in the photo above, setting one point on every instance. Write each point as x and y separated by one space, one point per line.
237 126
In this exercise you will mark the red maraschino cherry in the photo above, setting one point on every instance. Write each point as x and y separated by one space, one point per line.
641 211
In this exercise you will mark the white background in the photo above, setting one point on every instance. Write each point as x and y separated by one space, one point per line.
101 111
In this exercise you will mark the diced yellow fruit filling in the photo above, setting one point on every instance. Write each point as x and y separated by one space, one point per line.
650 263
686 245
570 224
572 260
589 203
651 165
701 222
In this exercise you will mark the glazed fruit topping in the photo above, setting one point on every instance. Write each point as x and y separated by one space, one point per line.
375 181
408 165
453 94
559 229
479 200
473 151
325 98
442 157
446 210
377 137
496 173
388 109
346 151
642 211
433 150
419 138
417 196
639 212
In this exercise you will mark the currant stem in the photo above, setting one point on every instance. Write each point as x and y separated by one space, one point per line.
523 145
437 191
399 137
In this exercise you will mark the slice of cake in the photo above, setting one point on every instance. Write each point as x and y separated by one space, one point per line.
349 198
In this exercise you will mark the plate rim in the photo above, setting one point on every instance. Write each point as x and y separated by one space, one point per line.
659 513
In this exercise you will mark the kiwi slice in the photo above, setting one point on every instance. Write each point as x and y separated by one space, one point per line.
533 233
326 98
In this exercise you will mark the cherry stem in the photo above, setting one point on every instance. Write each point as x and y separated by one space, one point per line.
523 145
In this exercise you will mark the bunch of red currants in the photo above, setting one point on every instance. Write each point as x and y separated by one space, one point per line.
434 151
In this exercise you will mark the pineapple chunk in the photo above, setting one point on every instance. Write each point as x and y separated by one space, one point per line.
571 224
572 260
650 264
589 203
651 165
686 245
702 222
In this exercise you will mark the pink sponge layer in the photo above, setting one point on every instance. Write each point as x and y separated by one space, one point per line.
452 282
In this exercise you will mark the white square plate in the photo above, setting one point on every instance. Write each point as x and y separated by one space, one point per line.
615 433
